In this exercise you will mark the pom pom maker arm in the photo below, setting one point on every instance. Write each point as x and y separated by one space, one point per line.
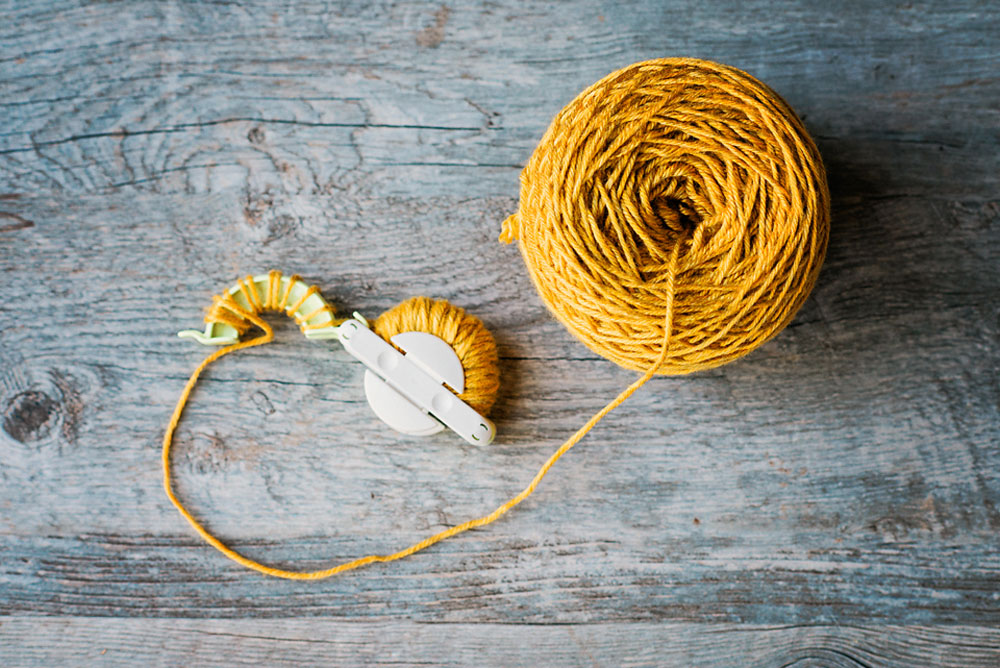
408 390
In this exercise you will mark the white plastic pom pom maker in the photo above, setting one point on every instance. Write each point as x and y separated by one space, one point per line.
406 390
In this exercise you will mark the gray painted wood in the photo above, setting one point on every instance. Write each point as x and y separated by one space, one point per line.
844 474
182 642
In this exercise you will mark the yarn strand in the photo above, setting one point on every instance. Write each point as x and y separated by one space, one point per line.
499 512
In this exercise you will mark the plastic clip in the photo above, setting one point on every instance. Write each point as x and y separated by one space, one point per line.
407 391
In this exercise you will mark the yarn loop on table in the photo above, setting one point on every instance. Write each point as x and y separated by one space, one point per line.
674 160
465 333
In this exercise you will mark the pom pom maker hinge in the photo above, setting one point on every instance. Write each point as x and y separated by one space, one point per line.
407 390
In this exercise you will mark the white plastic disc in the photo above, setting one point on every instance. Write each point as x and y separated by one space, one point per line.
435 357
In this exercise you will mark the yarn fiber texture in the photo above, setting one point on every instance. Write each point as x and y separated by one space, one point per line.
465 333
674 180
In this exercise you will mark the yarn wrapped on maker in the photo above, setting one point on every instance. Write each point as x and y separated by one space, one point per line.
674 181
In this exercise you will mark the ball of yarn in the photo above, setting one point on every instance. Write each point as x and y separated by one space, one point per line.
674 181
465 333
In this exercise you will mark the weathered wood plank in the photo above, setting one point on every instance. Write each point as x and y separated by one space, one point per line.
321 97
44 642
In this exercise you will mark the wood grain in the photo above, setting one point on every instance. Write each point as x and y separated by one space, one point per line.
129 642
844 474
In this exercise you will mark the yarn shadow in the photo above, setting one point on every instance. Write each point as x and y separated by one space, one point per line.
907 289
882 316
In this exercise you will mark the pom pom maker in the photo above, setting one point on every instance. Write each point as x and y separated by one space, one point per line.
407 390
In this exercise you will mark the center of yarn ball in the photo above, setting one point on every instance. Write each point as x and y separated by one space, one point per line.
674 178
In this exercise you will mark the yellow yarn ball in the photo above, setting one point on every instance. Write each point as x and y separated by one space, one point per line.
674 180
465 333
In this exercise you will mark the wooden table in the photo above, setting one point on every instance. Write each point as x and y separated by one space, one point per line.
830 500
